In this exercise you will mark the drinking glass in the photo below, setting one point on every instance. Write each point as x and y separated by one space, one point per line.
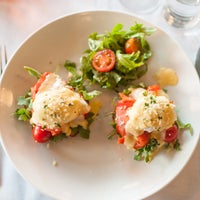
140 6
182 13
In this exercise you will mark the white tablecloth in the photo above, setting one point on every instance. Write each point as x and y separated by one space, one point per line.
20 18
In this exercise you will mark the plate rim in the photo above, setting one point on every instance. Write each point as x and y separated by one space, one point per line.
86 13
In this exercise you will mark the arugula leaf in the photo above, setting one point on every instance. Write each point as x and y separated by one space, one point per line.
71 67
58 137
90 118
107 79
173 145
24 100
177 145
94 43
78 82
145 152
33 72
128 62
182 125
24 112
90 95
84 133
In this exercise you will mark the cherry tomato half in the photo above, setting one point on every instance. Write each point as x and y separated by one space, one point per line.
171 134
121 116
132 45
142 140
40 135
104 60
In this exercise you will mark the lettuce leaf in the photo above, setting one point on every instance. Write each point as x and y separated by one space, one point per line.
127 65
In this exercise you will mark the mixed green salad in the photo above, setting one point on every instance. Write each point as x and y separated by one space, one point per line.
118 57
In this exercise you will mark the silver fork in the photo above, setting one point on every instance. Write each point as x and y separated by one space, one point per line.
3 61
3 58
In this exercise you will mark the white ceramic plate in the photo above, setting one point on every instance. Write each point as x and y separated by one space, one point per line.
96 168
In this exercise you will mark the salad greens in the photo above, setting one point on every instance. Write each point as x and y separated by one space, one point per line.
33 72
77 81
128 67
24 112
145 152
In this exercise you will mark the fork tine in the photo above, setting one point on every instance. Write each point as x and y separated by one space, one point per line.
3 58
0 62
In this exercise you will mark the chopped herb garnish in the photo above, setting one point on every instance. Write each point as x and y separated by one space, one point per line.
153 100
145 93
146 104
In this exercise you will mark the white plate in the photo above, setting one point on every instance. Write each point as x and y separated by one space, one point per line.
96 168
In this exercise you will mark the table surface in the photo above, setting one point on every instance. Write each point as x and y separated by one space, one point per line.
20 18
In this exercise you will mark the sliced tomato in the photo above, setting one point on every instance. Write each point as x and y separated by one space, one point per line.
171 134
104 60
121 140
121 114
132 45
36 87
153 88
40 135
142 140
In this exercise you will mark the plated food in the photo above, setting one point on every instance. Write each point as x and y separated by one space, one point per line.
54 109
97 162
113 59
146 121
